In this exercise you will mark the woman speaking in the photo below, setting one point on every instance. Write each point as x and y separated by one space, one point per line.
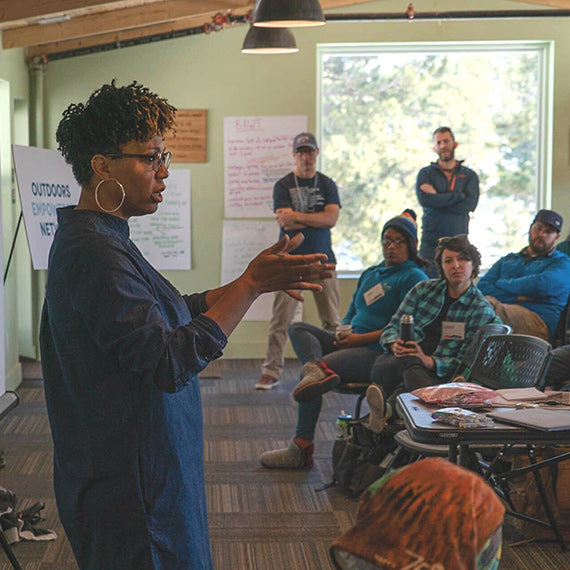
121 347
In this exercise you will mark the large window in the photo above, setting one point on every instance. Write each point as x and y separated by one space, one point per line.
378 107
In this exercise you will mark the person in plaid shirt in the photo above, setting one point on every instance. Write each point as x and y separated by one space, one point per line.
447 312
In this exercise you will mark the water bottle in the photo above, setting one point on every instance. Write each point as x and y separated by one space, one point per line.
342 424
407 328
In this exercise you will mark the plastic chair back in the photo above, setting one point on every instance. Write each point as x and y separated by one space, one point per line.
469 356
512 361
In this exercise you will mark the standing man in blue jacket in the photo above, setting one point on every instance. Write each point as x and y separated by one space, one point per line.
529 289
447 192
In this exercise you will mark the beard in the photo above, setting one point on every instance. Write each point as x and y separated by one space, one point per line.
540 247
447 156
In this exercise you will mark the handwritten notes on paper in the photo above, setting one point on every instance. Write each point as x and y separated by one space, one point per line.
164 237
242 241
257 153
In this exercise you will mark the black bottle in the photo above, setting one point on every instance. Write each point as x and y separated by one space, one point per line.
407 328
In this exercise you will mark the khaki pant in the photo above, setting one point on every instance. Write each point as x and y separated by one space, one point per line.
520 318
284 306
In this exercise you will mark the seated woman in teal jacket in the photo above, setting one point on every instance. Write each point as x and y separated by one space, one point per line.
329 361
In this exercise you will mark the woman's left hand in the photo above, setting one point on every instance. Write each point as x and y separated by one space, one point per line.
412 348
351 341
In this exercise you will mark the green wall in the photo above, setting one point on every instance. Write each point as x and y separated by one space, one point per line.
13 97
208 71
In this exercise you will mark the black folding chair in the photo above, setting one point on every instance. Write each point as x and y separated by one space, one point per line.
516 361
512 361
470 355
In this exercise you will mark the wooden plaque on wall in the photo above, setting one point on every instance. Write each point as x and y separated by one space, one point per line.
189 142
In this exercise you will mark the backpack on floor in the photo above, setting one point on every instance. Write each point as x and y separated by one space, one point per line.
358 457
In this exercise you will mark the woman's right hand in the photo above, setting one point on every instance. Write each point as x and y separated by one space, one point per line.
274 269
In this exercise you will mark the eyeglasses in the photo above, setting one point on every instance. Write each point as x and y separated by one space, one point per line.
387 241
305 150
156 160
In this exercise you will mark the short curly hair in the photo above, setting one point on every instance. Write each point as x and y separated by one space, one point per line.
112 117
459 243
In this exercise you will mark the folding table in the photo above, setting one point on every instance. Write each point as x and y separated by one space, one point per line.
422 428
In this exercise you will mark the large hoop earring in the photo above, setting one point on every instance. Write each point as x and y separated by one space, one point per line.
122 198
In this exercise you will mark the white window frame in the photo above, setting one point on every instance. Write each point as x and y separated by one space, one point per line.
545 52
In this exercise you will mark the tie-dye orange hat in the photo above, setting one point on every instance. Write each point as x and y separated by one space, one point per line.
430 514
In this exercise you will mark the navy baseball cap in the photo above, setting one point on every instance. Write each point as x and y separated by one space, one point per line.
549 217
305 140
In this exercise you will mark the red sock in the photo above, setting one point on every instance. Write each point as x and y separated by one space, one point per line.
302 443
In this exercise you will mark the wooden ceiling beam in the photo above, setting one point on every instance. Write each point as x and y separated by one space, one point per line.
135 19
13 10
115 20
146 20
123 35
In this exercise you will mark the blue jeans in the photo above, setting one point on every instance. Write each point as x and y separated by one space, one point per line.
351 365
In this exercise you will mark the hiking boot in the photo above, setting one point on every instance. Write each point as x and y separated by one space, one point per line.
266 382
292 457
379 411
316 379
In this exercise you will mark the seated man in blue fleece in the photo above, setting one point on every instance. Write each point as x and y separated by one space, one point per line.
529 289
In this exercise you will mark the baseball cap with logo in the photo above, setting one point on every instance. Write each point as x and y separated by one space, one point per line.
549 217
307 140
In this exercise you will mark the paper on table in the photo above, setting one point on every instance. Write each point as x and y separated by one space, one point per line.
522 394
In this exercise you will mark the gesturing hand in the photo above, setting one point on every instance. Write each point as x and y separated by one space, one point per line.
275 269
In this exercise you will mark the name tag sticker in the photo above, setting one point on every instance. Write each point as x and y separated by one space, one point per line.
452 331
374 293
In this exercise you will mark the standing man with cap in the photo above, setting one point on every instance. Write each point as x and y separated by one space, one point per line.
447 192
529 289
304 201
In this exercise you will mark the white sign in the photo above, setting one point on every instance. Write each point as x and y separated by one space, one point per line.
258 151
164 237
45 183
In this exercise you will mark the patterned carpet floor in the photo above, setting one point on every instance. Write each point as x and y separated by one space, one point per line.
259 519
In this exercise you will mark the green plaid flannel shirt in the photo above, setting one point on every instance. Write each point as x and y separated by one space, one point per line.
424 302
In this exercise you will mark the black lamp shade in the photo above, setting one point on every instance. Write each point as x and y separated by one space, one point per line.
269 41
288 13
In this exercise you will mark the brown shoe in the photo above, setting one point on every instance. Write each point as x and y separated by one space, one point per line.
266 382
317 378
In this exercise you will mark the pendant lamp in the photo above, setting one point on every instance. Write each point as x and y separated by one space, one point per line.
269 41
288 14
